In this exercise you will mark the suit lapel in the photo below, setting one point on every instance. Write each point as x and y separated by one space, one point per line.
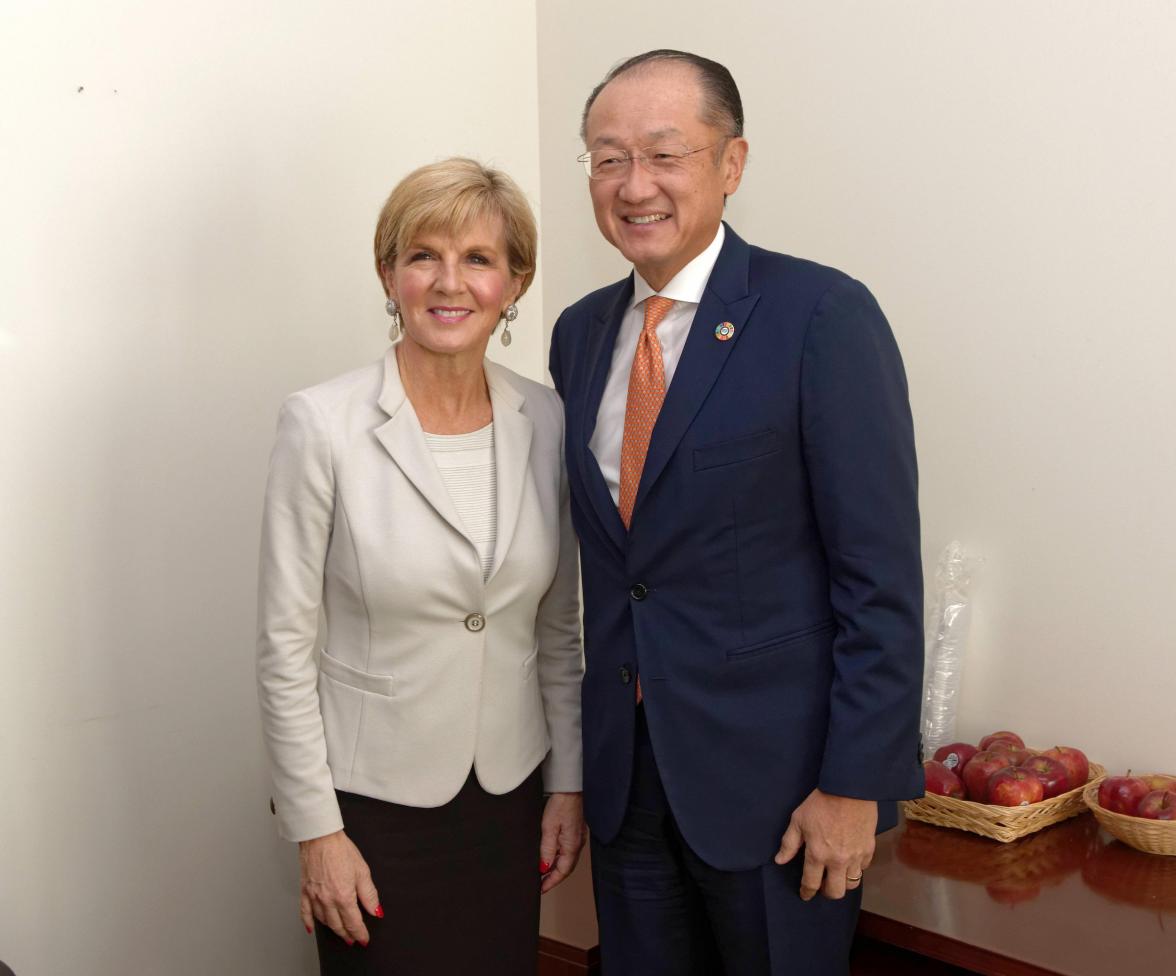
602 340
404 440
512 450
726 299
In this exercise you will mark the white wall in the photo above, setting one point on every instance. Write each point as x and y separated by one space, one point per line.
1001 175
185 241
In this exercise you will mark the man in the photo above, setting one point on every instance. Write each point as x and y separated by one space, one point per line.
743 483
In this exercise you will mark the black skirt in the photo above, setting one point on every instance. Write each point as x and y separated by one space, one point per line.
459 885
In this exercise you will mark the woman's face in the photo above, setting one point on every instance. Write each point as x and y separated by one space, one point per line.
452 290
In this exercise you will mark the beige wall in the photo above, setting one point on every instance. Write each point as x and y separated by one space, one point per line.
1000 175
185 241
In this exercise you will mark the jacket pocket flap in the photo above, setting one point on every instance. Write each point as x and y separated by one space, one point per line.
780 643
345 674
737 449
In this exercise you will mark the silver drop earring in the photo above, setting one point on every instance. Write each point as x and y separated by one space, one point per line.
511 313
393 310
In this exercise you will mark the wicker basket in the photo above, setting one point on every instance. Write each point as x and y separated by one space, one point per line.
1002 823
1151 836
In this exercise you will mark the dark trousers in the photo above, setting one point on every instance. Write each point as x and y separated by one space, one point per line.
664 912
459 885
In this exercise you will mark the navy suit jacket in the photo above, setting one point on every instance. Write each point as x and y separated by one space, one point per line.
770 589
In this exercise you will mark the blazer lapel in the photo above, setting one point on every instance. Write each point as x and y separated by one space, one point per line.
512 450
602 340
726 299
404 440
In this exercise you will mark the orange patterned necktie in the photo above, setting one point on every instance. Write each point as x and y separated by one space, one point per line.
647 389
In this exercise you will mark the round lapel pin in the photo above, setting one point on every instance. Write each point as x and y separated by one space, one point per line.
724 331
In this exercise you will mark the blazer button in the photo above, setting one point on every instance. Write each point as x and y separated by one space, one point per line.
626 675
475 622
639 591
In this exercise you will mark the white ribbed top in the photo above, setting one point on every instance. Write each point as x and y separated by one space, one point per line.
466 463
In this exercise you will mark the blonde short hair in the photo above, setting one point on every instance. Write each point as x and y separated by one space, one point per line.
446 197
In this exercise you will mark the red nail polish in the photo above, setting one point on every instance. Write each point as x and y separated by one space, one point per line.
379 912
364 944
309 930
544 867
350 942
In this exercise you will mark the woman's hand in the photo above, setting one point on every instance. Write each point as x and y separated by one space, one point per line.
561 838
334 876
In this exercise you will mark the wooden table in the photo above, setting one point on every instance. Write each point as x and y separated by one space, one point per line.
1066 901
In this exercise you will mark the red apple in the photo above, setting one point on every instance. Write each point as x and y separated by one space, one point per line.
1054 777
1013 787
955 756
942 781
979 768
1121 794
1018 754
1158 781
1075 761
988 740
1158 805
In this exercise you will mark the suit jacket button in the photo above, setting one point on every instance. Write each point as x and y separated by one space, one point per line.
475 622
626 675
639 591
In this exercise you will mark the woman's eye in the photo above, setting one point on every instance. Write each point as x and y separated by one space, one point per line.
420 256
479 259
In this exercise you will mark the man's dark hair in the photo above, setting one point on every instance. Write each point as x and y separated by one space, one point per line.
721 105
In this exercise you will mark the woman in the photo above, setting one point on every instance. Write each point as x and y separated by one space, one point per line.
422 504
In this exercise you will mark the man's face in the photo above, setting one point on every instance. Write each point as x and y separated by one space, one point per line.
661 221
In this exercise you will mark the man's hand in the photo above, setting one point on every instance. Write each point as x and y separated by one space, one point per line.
561 838
336 882
837 834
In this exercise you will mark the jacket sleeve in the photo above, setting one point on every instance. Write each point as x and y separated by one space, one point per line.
859 450
561 659
296 528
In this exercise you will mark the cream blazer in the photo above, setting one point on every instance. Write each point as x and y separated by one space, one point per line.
426 669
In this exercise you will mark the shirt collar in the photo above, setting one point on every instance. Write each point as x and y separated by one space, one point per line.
689 283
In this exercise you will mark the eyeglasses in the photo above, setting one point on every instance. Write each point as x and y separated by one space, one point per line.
615 164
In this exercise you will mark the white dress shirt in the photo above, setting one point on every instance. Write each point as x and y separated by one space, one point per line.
685 289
